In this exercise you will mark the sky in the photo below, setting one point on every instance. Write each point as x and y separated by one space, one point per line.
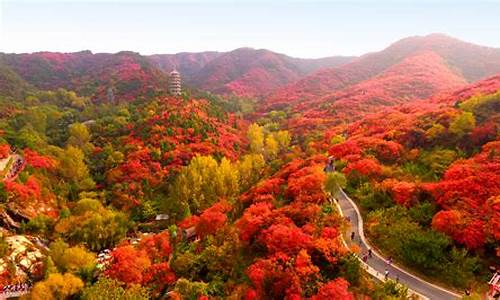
300 28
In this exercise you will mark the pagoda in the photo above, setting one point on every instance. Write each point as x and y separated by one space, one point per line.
174 83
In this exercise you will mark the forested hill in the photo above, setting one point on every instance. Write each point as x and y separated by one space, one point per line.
216 196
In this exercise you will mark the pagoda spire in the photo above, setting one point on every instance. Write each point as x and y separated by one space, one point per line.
174 83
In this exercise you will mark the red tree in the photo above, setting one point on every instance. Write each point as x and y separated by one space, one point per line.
212 219
335 289
129 265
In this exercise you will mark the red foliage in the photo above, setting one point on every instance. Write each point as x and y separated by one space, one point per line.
306 185
273 278
447 221
159 275
253 220
38 161
473 235
402 192
136 75
493 226
335 289
286 238
189 222
29 191
387 151
212 219
343 149
4 151
249 72
367 167
301 212
485 133
129 265
468 187
157 246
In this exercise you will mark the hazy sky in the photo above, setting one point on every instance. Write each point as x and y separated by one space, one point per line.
299 28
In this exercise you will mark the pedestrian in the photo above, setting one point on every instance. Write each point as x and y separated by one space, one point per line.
352 236
365 258
370 253
386 274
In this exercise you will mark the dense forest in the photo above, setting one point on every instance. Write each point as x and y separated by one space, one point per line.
113 189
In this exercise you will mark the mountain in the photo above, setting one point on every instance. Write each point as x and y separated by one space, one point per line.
245 71
415 78
11 84
129 74
187 63
469 61
251 72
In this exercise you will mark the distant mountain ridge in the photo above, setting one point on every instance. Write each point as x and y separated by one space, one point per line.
410 69
244 71
280 80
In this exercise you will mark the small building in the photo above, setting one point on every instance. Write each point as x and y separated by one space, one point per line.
174 83
161 217
111 95
494 284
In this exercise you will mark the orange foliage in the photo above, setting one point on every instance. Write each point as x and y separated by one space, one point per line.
212 219
128 265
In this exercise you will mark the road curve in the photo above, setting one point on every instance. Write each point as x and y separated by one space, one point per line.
378 263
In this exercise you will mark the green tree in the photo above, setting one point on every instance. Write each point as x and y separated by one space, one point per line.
462 124
191 289
438 161
99 229
79 137
334 182
109 289
73 168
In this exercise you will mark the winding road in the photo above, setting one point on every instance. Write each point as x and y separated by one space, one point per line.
377 264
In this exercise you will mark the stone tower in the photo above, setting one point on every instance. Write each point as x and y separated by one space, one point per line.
111 95
174 83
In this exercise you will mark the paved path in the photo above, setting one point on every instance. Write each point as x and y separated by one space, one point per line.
378 263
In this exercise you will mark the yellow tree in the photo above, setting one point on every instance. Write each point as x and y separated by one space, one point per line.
462 124
227 179
72 167
283 138
202 183
272 147
57 286
250 169
255 135
79 136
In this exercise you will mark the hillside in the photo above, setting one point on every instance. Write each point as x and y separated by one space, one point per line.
189 197
188 64
466 60
250 72
431 156
417 77
244 72
11 84
129 74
